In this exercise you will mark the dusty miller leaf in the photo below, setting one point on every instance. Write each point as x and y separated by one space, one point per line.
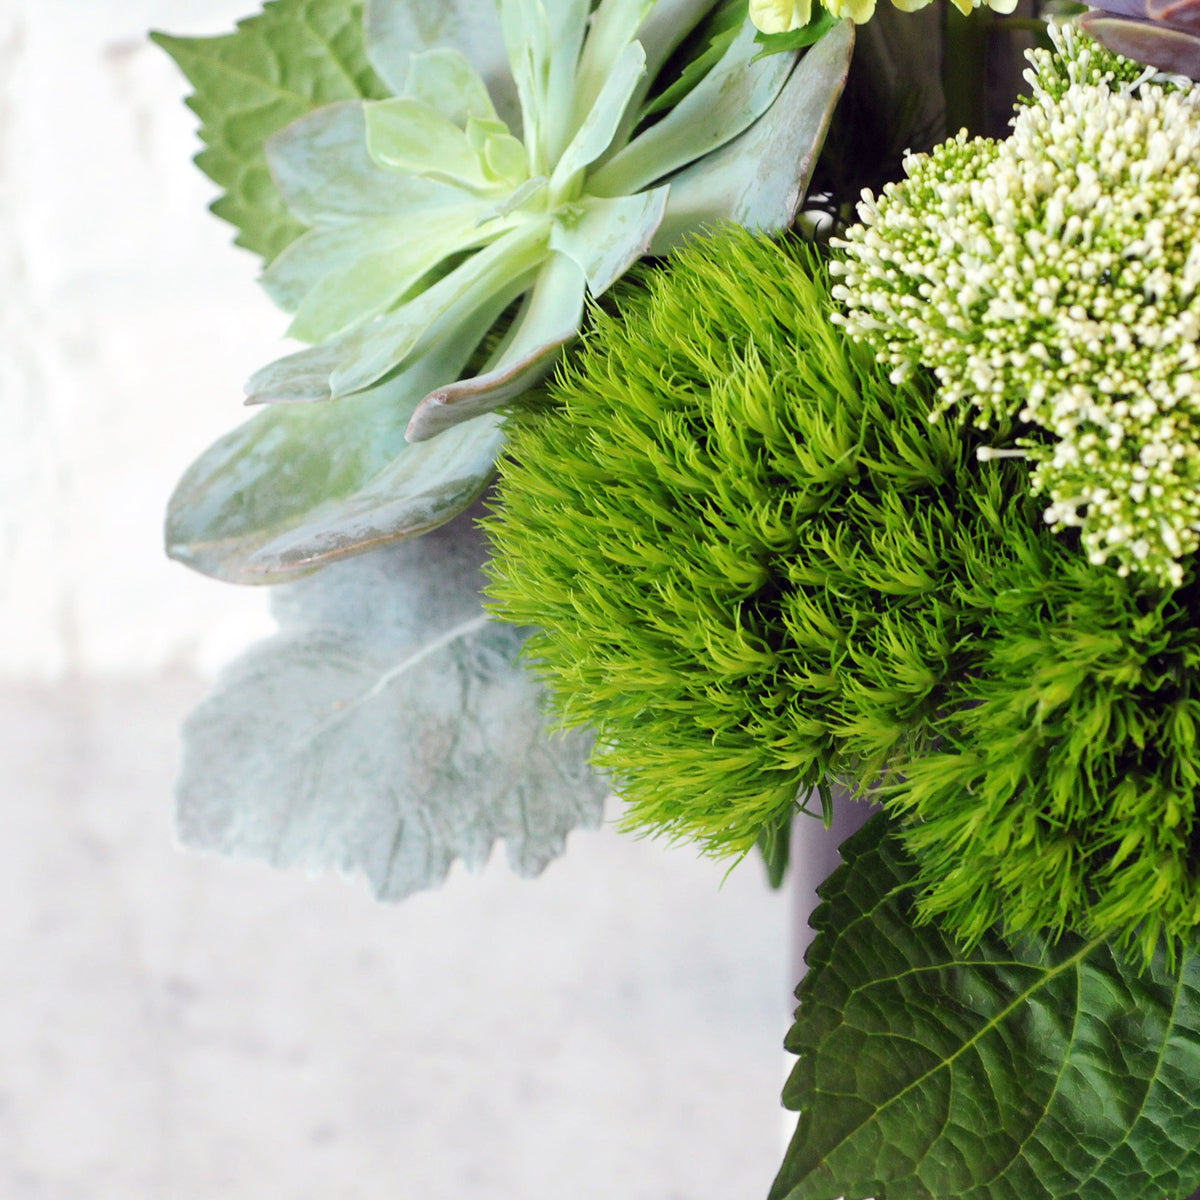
386 730
295 56
1014 1072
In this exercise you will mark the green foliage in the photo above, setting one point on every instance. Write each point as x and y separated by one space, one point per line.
817 26
385 731
758 568
516 160
295 56
701 50
1030 1069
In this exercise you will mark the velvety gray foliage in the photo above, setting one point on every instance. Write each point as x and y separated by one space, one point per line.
386 730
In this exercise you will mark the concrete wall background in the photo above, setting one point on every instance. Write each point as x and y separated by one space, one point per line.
178 1028
128 323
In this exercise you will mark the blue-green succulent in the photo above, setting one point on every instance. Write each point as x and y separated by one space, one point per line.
506 159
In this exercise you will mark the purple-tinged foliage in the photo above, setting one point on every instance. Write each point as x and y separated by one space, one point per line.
1161 33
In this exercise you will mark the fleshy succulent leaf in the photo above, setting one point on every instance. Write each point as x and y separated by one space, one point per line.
759 179
323 251
667 25
1182 13
446 80
1058 1070
494 271
394 32
1176 51
548 319
606 237
526 28
418 140
323 171
568 25
614 25
355 361
427 218
372 492
385 731
351 479
729 99
377 279
601 123
720 29
294 57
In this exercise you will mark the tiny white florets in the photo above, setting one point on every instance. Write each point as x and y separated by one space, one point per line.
1054 277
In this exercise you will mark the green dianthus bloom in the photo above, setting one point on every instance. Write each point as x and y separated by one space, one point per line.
757 567
1052 278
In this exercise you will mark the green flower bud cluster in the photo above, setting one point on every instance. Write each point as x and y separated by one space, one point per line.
755 569
1052 277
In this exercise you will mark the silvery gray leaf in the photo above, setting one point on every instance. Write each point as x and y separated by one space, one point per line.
385 730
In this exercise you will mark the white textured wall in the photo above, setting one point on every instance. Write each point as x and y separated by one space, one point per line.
177 1027
127 324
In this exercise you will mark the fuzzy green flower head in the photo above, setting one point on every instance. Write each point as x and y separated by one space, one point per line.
1051 278
755 567
784 16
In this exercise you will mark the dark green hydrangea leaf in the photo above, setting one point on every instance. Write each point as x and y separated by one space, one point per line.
386 730
292 58
1016 1071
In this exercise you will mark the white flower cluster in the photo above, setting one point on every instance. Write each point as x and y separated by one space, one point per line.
1054 278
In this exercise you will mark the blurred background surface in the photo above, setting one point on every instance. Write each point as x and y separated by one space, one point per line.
180 1028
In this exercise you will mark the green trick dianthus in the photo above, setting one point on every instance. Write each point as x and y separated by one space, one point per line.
758 568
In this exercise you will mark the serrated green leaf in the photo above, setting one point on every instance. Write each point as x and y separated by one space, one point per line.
1017 1071
297 55
818 25
385 731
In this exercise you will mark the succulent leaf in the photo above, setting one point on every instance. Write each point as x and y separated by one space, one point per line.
1175 51
758 179
444 202
297 485
395 32
730 98
549 318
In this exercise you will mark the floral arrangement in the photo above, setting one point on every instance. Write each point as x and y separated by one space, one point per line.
633 450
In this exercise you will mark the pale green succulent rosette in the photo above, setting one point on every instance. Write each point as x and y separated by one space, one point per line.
483 182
